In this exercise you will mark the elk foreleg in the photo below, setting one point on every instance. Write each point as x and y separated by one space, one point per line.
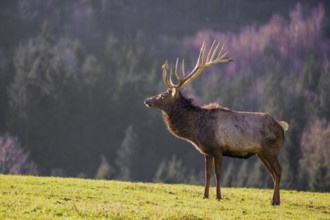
217 171
208 170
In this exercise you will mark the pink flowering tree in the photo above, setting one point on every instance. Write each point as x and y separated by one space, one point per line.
13 159
315 144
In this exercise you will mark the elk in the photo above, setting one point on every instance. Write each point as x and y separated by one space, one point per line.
216 131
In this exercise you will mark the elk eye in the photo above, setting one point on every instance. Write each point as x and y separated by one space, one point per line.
163 95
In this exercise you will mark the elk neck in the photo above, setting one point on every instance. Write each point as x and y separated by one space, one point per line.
181 118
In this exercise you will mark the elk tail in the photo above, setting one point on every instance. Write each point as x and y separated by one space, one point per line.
284 125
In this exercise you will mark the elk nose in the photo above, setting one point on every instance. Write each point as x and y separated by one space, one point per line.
147 102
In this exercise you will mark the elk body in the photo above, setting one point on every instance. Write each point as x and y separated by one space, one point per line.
216 131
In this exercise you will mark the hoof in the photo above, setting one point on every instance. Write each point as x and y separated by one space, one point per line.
274 203
205 197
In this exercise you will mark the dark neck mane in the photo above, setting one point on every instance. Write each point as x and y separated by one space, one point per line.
181 117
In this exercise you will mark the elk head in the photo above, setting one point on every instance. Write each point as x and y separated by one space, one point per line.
169 98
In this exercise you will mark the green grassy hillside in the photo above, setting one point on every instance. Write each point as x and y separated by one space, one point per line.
23 197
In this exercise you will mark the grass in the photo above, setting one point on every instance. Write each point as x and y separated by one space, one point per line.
25 197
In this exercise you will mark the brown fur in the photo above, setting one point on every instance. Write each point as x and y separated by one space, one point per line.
216 131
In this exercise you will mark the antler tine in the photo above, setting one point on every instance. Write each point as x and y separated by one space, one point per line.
183 71
171 82
223 45
223 55
200 56
199 67
219 58
215 51
220 53
165 80
176 70
209 55
203 53
204 60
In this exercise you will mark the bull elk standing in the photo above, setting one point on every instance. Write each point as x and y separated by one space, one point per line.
216 131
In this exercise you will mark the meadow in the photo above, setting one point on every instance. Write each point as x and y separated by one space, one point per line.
27 197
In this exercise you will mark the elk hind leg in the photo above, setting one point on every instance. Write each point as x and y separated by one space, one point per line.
273 166
278 170
266 164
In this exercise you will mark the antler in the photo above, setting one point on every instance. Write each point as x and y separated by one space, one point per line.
203 61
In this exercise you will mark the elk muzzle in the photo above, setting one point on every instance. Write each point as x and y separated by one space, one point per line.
148 102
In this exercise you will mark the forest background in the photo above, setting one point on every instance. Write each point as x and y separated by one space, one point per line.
74 75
